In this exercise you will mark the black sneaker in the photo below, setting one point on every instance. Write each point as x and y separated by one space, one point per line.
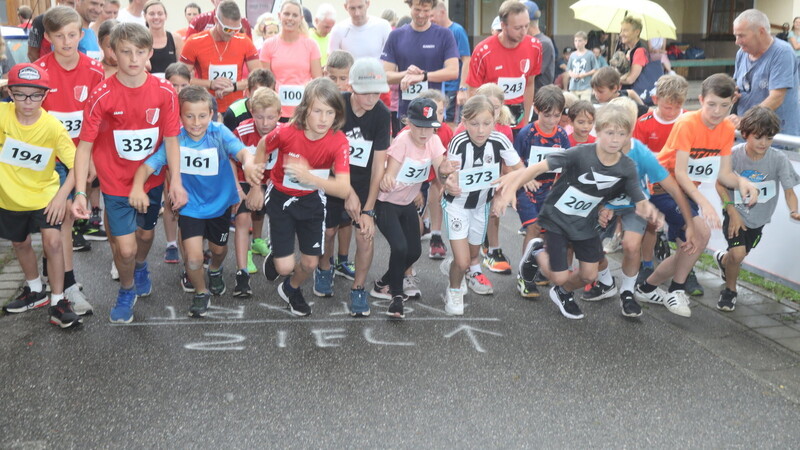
718 255
95 219
26 301
242 288
79 244
396 308
540 280
727 300
566 303
91 233
662 249
200 305
186 284
296 302
63 315
216 284
599 291
268 268
528 268
644 274
693 287
629 306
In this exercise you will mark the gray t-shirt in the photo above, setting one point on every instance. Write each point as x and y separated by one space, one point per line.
547 74
766 173
572 205
581 64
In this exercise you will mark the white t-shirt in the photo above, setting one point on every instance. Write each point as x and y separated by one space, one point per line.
364 41
125 16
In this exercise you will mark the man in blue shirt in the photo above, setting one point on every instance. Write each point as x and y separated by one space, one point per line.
90 11
454 90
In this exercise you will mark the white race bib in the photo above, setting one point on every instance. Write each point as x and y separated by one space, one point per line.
478 178
512 87
413 90
573 202
72 121
766 191
538 154
621 202
704 169
27 156
96 55
292 183
135 145
413 172
290 95
360 149
203 162
160 75
229 71
272 158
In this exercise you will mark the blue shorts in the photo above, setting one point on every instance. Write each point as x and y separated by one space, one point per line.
529 204
123 219
672 215
62 177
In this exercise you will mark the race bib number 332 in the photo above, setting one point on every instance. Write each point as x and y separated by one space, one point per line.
135 145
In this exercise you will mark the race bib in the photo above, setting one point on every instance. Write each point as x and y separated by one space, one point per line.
512 87
203 162
292 183
704 169
413 172
27 156
478 178
620 202
96 55
360 149
251 149
72 121
272 158
573 202
290 95
413 90
160 75
538 154
229 71
766 191
135 145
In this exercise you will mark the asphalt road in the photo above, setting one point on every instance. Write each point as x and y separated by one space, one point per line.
510 373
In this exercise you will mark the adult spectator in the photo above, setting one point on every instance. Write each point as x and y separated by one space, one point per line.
90 11
793 37
512 59
292 57
24 16
266 26
363 36
219 55
766 70
642 76
420 55
38 45
207 21
134 13
191 11
455 90
548 73
324 21
166 45
110 12
390 16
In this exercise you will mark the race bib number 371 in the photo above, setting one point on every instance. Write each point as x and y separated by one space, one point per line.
413 172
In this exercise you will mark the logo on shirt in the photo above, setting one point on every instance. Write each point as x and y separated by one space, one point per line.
500 67
429 46
118 113
81 93
599 180
151 115
525 65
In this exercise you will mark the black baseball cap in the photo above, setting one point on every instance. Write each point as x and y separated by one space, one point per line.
422 113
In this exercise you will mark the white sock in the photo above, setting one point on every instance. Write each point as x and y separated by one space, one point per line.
492 249
475 269
628 283
35 284
605 277
55 298
172 244
436 233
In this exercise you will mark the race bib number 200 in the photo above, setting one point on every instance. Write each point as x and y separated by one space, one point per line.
573 202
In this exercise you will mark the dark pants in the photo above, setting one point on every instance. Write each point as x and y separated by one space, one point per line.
400 227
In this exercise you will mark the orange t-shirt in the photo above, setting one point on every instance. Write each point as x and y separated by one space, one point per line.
212 59
705 146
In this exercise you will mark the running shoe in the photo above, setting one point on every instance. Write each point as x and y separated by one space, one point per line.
527 289
437 250
396 308
323 282
479 284
141 279
251 266
693 287
79 244
600 291
718 255
171 255
628 304
78 301
200 305
268 268
186 283
346 269
380 291
295 302
727 300
122 312
242 288
496 262
26 301
359 306
454 302
411 286
566 303
260 247
216 282
62 315
677 302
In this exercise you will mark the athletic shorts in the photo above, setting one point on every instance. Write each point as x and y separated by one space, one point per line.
123 219
62 177
216 229
243 205
586 250
529 204
467 224
631 221
17 225
335 215
672 215
748 238
303 217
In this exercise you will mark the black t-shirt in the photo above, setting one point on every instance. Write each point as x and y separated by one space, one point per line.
36 33
371 128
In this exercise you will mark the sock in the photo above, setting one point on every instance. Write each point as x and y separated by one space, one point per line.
561 291
172 244
44 266
140 265
215 271
35 284
605 277
287 286
342 258
475 269
647 264
677 286
127 288
492 249
69 279
55 298
647 287
436 233
426 222
627 283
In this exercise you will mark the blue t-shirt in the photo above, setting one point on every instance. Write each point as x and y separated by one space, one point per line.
205 170
530 139
648 170
775 69
89 46
427 50
463 50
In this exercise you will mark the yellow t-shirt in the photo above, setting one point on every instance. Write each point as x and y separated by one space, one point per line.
28 157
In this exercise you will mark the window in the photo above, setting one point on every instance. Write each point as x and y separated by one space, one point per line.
721 14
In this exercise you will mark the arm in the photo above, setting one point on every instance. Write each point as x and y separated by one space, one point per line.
794 43
367 223
177 193
732 180
774 99
57 207
415 75
462 97
390 174
138 197
527 99
251 172
791 202
83 154
316 68
735 222
393 75
255 198
337 186
630 77
178 43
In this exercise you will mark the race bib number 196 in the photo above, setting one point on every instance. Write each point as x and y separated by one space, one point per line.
22 154
704 169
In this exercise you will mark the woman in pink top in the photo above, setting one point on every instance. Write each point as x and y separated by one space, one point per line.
292 57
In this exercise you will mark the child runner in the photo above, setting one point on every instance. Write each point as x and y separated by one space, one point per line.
606 86
239 111
581 114
582 65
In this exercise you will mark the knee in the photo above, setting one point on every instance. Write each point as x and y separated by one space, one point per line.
126 252
194 263
736 255
559 278
330 234
631 246
309 265
285 266
145 236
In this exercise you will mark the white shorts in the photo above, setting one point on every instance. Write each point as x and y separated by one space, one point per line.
465 223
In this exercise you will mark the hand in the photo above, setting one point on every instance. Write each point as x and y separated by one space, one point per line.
414 70
501 202
735 224
794 216
220 84
711 216
255 199
298 169
353 207
253 173
447 167
177 195
532 186
56 209
410 79
79 209
461 98
367 225
139 200
451 184
504 183
604 216
748 191
388 183
419 201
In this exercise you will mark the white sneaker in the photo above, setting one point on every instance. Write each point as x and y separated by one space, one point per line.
656 297
454 302
410 287
677 302
479 284
114 272
80 306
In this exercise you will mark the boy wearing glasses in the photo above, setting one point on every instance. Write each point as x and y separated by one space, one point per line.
218 56
30 198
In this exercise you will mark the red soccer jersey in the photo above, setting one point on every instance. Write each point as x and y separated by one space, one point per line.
70 89
126 125
331 151
508 67
653 131
573 142
248 134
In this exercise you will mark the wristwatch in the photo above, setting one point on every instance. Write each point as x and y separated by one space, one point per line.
369 212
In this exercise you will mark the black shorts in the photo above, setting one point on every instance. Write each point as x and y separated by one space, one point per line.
335 214
303 217
586 250
748 238
243 205
17 225
216 230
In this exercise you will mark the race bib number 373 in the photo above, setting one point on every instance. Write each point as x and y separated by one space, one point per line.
22 154
478 178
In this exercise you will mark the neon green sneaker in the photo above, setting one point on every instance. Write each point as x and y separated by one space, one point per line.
251 267
260 247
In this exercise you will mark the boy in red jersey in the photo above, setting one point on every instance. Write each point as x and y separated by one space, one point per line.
125 120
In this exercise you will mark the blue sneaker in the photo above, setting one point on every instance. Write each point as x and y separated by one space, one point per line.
171 255
359 307
122 312
323 282
141 278
346 269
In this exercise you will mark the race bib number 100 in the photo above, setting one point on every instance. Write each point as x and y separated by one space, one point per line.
290 95
413 172
135 145
203 162
22 154
478 178
704 169
573 202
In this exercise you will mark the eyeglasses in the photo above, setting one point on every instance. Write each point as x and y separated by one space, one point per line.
227 29
20 97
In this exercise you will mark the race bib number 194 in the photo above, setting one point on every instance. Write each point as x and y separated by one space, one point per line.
22 154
